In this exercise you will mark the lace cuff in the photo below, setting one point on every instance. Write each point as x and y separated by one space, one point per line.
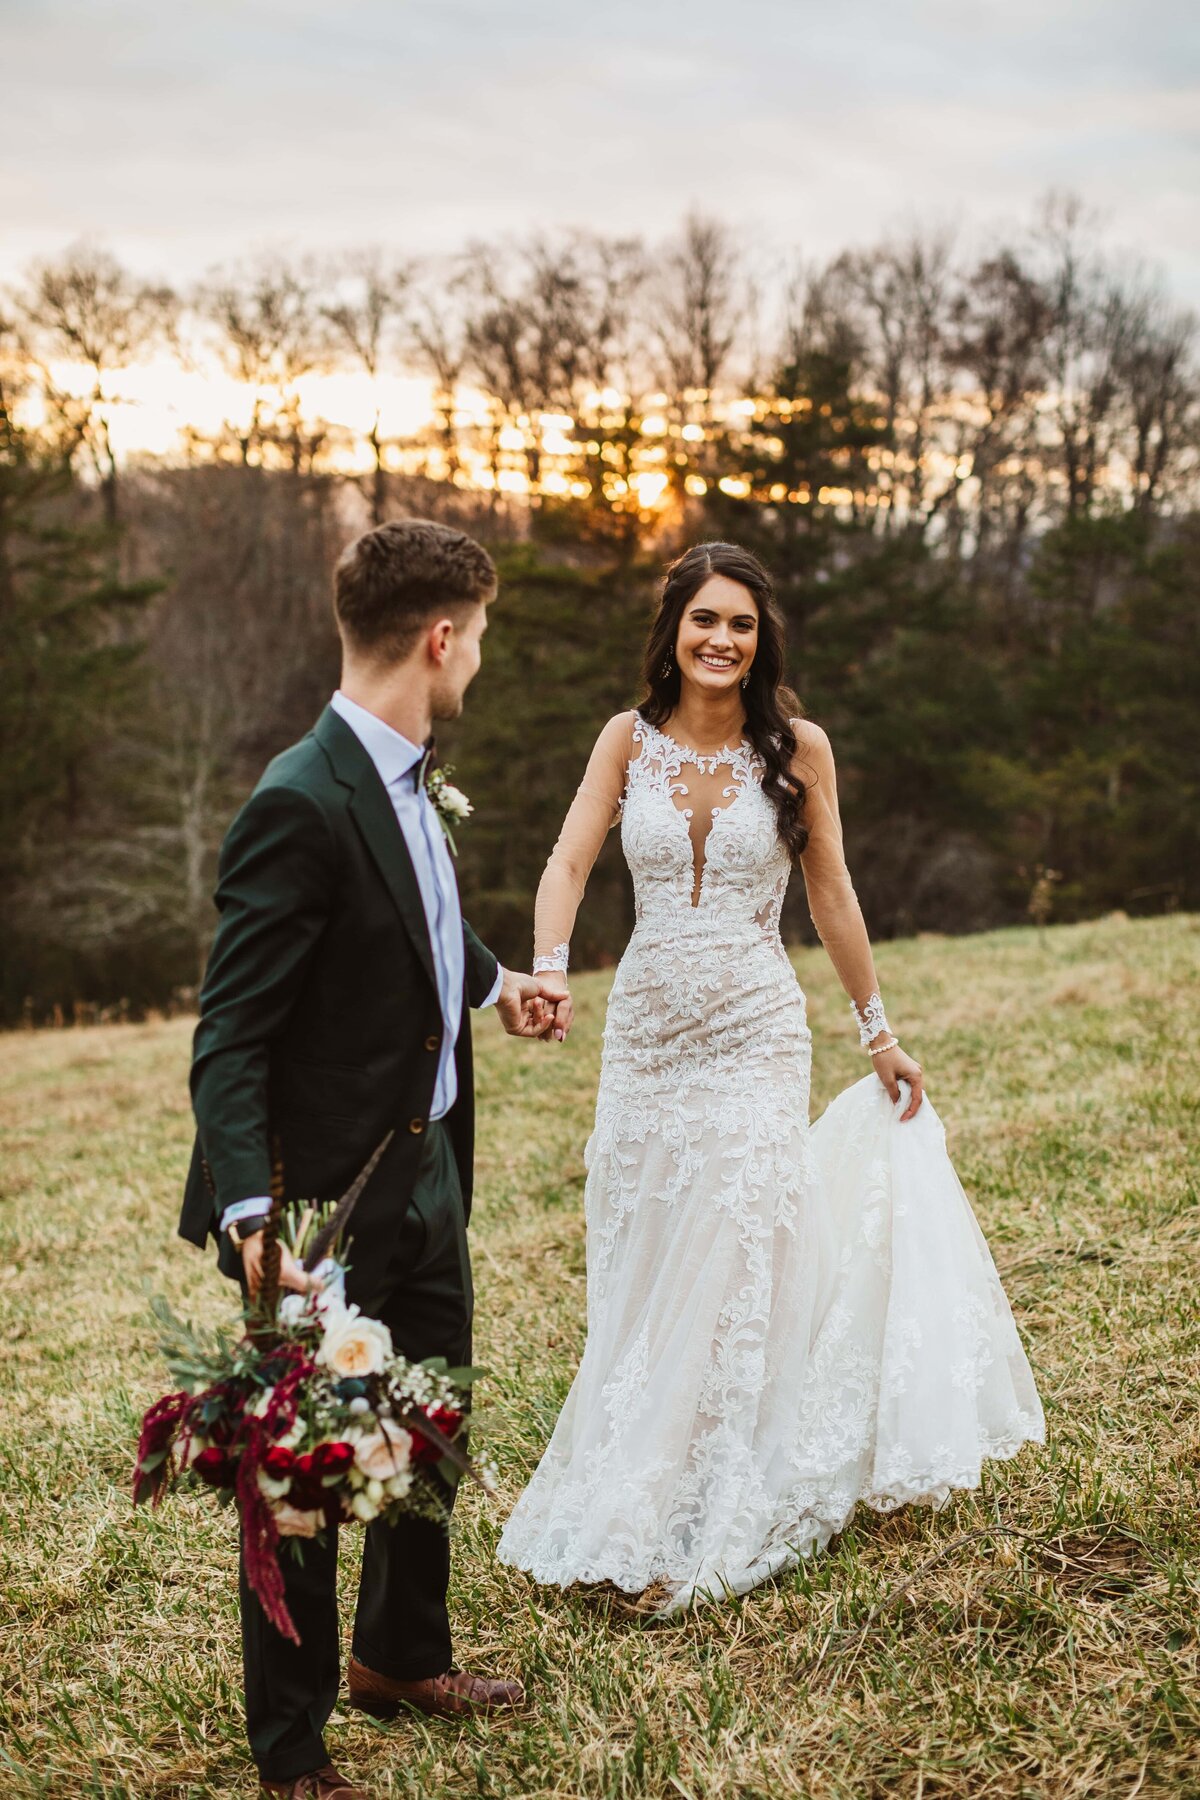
871 1020
558 959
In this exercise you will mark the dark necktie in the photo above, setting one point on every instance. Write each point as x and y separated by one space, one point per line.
425 762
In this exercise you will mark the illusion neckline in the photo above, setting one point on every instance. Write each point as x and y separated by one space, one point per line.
727 752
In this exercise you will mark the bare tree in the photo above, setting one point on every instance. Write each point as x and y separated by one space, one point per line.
526 335
815 318
362 318
616 272
998 320
1156 367
241 655
697 302
900 291
87 310
438 331
1086 339
614 372
698 315
269 333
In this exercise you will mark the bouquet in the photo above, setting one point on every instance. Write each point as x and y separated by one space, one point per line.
308 1417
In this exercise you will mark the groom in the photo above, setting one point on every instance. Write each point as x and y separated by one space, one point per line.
334 1010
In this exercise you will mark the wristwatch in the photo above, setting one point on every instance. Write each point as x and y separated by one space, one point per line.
238 1230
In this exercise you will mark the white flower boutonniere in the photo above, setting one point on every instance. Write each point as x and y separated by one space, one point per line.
449 803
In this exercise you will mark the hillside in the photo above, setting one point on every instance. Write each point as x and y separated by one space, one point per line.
1038 1638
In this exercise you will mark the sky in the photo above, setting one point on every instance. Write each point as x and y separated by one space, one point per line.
184 135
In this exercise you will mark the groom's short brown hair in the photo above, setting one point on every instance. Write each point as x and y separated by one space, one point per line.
392 580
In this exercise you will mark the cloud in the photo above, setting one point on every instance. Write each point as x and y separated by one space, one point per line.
183 136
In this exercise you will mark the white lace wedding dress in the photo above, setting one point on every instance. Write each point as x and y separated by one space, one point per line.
783 1319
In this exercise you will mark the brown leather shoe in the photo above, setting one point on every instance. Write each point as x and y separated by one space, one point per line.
454 1695
318 1784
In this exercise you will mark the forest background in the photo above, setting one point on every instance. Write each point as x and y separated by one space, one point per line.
974 479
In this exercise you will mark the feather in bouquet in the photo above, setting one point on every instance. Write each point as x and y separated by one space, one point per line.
309 1417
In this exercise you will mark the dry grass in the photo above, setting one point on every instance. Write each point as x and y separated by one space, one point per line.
1038 1638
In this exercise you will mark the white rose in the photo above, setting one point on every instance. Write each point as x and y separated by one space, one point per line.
455 802
292 1308
362 1508
384 1452
291 1522
352 1344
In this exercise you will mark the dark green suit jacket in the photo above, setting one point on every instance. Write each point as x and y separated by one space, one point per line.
319 1014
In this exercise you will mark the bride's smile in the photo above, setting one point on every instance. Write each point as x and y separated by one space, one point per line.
718 635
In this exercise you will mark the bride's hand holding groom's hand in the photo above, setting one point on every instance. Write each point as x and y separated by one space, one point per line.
524 1006
560 1006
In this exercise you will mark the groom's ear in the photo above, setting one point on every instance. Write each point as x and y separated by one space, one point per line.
438 638
457 621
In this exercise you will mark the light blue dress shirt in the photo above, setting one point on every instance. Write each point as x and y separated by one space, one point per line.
397 760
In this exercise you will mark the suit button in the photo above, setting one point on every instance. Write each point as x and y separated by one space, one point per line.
432 1043
416 1126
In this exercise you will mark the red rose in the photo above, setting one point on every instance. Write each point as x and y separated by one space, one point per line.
306 1490
333 1459
278 1461
443 1419
212 1465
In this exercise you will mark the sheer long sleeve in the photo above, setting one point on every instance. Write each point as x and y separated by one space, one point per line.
591 815
832 901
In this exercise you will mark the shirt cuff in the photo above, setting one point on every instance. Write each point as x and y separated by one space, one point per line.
256 1208
496 986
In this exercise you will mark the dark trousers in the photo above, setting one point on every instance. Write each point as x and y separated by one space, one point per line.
401 1627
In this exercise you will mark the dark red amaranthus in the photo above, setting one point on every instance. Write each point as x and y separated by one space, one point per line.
260 1537
159 1426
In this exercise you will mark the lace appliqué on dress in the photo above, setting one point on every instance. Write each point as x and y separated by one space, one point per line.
871 1020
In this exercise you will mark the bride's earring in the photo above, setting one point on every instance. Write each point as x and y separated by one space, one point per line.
668 665
745 681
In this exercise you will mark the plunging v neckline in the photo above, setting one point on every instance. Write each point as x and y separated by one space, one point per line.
707 764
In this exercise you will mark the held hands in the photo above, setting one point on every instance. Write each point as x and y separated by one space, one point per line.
525 1006
560 1006
892 1066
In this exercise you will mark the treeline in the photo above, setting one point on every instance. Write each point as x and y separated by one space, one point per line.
974 480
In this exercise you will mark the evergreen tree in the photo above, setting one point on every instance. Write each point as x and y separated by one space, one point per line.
68 674
561 656
796 484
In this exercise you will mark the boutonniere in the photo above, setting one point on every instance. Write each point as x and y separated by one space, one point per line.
449 803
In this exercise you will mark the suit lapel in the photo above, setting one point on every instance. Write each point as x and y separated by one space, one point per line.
375 817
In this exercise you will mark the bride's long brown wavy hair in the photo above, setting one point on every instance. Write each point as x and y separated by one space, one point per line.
770 704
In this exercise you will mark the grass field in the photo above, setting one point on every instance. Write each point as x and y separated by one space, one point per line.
1038 1638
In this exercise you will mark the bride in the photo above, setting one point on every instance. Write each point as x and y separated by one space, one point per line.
783 1319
